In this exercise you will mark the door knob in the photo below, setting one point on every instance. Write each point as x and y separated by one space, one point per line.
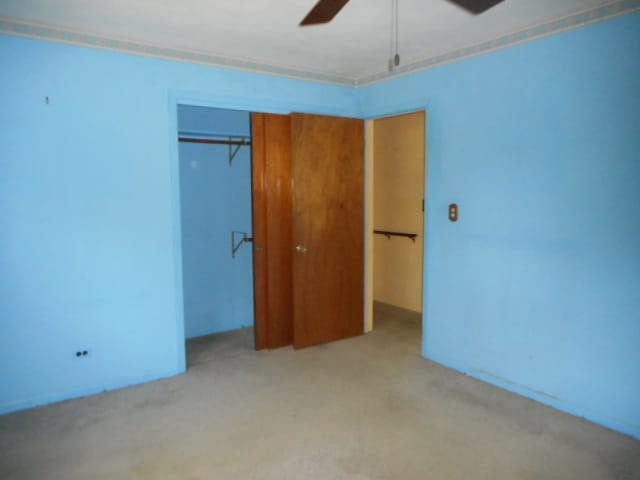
301 249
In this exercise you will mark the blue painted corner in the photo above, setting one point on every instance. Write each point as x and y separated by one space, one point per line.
537 287
90 234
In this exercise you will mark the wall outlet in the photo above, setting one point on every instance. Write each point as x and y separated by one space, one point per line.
82 353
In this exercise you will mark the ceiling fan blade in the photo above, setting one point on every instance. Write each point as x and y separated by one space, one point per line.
476 6
323 12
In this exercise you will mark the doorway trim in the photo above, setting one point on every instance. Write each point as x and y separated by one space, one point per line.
368 210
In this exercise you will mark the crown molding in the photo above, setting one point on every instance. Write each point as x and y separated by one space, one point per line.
23 28
19 27
535 32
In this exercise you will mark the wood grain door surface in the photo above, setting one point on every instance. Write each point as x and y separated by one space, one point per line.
328 228
272 230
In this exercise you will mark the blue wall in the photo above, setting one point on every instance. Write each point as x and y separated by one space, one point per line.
537 287
215 199
89 210
534 289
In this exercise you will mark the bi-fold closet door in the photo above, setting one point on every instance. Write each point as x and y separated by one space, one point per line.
308 208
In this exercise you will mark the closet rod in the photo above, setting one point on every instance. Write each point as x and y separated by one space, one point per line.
215 142
389 234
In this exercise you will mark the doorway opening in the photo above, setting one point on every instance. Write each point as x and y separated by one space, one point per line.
236 172
396 150
214 151
247 237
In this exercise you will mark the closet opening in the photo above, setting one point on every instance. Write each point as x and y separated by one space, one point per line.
397 165
214 151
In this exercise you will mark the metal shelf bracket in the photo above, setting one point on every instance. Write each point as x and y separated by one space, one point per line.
237 239
233 150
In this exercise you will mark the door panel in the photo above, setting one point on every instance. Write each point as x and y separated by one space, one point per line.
272 216
328 221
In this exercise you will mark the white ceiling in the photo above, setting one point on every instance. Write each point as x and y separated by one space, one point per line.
354 46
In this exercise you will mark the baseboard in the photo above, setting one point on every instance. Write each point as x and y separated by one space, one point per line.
41 401
548 400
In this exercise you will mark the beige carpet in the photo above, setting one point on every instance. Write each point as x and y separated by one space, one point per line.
365 408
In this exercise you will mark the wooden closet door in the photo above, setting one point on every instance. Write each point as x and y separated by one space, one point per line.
328 228
272 230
